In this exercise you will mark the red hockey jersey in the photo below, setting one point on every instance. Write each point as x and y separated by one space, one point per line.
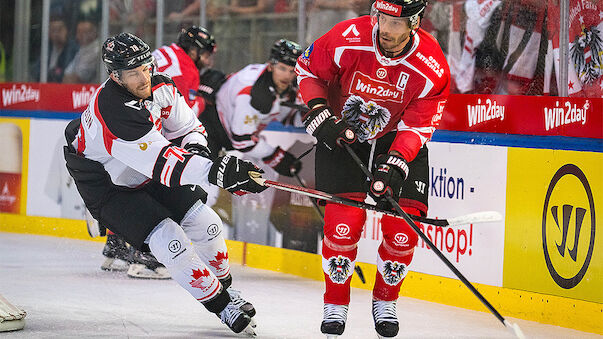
174 62
376 94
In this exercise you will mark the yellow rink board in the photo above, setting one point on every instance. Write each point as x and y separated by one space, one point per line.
565 312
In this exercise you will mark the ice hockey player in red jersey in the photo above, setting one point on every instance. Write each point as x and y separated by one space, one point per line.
139 159
378 83
184 60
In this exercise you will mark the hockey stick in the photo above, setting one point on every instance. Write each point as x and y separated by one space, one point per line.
473 218
514 328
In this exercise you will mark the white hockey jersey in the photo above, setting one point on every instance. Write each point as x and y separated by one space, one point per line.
140 140
247 102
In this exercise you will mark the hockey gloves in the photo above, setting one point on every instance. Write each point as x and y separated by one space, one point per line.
388 176
283 162
232 174
328 128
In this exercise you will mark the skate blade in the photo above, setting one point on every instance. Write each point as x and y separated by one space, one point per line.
249 331
116 265
332 336
140 271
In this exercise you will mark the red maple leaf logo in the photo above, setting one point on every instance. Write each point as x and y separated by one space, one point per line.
220 258
200 277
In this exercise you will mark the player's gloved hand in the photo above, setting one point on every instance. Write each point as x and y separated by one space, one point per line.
232 174
328 128
198 149
389 174
283 162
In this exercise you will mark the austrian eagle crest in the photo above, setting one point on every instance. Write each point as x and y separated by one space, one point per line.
339 269
393 272
587 53
366 118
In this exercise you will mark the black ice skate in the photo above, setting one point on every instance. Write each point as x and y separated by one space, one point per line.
144 265
333 321
237 320
386 321
116 254
244 305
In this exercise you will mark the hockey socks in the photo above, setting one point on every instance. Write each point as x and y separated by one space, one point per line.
174 249
338 267
203 227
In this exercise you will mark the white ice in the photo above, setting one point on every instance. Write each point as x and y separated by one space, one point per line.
59 283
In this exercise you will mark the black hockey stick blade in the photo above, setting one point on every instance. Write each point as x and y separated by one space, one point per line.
472 218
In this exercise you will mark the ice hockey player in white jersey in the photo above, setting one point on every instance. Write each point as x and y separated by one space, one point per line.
252 98
140 162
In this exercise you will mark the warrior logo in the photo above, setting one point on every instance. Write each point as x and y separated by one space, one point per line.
586 53
339 269
367 119
393 272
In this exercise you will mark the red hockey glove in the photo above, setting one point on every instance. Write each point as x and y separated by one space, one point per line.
283 162
327 128
232 174
388 176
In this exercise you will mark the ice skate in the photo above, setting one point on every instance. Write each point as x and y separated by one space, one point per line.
116 254
244 305
237 320
143 265
386 321
333 321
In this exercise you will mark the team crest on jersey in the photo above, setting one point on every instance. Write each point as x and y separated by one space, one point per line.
587 54
367 118
393 272
339 268
308 51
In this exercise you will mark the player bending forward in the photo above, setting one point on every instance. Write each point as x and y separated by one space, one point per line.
378 83
139 157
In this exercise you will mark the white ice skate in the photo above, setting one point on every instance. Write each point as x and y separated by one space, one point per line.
237 320
386 321
333 321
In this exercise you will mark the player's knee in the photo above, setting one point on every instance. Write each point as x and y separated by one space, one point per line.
343 224
202 224
169 244
397 233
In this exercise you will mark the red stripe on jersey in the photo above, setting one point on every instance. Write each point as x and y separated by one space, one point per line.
246 90
211 294
167 57
81 140
108 137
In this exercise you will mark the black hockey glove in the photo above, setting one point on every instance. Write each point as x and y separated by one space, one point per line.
389 174
199 149
283 162
328 128
232 174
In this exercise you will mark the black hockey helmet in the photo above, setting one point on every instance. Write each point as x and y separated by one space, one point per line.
410 9
125 51
197 37
285 51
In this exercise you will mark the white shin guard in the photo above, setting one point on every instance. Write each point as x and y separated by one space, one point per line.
173 249
204 227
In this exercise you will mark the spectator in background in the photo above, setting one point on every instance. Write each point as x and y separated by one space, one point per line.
84 66
248 6
324 14
61 51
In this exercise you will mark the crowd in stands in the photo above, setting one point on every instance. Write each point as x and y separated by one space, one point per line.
492 46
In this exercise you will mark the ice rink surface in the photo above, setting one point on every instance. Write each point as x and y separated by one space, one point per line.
59 283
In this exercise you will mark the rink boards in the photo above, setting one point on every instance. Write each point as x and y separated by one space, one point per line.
543 262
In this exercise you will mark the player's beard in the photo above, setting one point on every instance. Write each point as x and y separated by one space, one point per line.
392 45
141 91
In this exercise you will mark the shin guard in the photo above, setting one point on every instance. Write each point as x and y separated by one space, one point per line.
394 256
173 248
204 227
